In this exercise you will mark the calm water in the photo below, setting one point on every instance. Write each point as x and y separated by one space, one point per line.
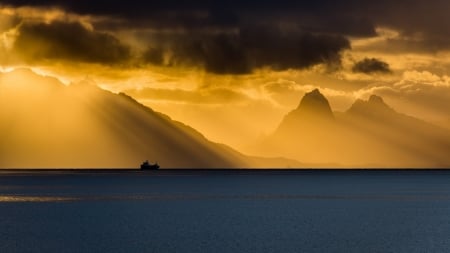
193 211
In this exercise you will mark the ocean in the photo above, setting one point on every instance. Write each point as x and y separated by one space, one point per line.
225 211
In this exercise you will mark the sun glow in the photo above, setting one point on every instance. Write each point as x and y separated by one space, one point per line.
234 80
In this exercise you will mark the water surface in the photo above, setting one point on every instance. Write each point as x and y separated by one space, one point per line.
225 211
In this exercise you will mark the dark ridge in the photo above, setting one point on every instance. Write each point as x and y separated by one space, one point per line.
314 104
375 105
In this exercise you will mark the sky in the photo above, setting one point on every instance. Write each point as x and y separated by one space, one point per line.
234 69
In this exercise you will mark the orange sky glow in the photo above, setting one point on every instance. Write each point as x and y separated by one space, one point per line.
218 78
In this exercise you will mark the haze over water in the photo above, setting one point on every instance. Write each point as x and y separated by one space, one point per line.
225 211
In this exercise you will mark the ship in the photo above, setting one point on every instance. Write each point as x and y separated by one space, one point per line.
147 166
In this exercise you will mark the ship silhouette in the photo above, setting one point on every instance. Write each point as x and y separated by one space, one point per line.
147 166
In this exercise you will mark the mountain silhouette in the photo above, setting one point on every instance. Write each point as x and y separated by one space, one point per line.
45 124
402 140
369 134
314 109
314 104
374 107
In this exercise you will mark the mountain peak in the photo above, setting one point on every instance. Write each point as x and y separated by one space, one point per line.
315 103
313 95
316 91
313 108
376 99
374 105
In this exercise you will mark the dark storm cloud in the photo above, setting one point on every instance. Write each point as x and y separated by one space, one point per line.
423 25
251 48
68 41
291 48
343 14
371 65
319 16
238 36
141 8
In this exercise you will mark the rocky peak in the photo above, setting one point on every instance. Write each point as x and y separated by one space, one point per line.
374 99
374 105
314 103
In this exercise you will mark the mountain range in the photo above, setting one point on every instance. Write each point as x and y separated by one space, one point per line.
369 134
46 124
